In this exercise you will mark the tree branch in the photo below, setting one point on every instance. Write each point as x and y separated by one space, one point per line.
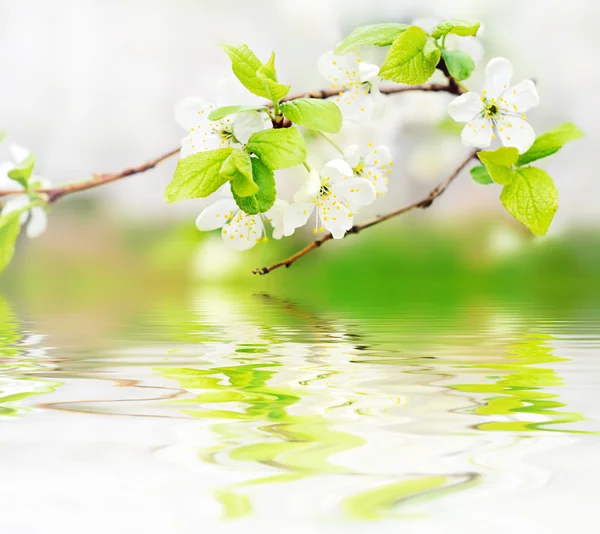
423 203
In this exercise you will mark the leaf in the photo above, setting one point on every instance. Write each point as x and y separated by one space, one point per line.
264 199
374 34
551 142
531 198
499 163
268 75
9 231
23 171
198 175
225 111
463 28
480 175
237 168
322 115
278 149
460 64
245 66
412 58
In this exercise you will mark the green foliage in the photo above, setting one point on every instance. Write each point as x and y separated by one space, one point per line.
264 198
268 75
499 163
9 232
198 175
460 64
551 142
278 148
237 168
375 34
459 27
224 111
531 198
412 59
23 171
481 175
322 115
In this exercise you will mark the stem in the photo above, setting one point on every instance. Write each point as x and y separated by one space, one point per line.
423 203
307 166
331 142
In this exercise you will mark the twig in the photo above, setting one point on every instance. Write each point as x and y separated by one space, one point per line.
423 203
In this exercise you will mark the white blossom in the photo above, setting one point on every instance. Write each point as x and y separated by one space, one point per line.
374 165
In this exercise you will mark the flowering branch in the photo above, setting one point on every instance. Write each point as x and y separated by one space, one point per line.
423 203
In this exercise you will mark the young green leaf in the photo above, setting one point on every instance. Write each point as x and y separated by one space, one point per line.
245 66
278 149
481 176
322 115
375 34
412 58
23 171
198 175
460 64
268 75
237 168
264 198
225 111
551 142
531 198
463 28
9 231
502 156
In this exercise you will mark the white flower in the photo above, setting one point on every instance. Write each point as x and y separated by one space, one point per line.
241 231
231 131
35 217
374 166
334 194
501 109
360 99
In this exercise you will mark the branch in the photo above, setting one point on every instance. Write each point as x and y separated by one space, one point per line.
423 203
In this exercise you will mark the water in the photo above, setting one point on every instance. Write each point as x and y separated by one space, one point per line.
219 412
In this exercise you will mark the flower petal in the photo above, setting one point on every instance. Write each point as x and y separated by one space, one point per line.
191 112
358 104
356 192
336 170
466 108
216 215
478 133
38 222
367 72
341 71
276 215
295 216
243 231
352 155
378 104
379 157
521 97
516 132
310 188
497 76
247 123
16 203
335 217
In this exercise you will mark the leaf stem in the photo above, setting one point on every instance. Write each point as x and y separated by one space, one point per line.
307 166
331 142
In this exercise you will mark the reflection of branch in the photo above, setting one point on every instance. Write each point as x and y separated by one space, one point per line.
423 203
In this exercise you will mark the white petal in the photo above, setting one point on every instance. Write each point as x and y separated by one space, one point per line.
38 222
295 216
276 215
466 108
243 231
247 123
341 71
368 72
310 188
216 215
497 76
335 217
356 192
358 104
18 153
516 132
191 112
478 133
16 203
378 178
521 97
379 157
352 155
378 104
336 170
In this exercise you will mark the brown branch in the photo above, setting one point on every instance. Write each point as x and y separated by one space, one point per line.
423 203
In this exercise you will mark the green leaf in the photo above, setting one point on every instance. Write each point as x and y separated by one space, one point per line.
9 231
23 171
268 75
531 198
264 199
481 175
375 34
198 175
245 66
551 142
278 149
506 156
460 64
237 168
322 115
224 111
412 58
463 28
